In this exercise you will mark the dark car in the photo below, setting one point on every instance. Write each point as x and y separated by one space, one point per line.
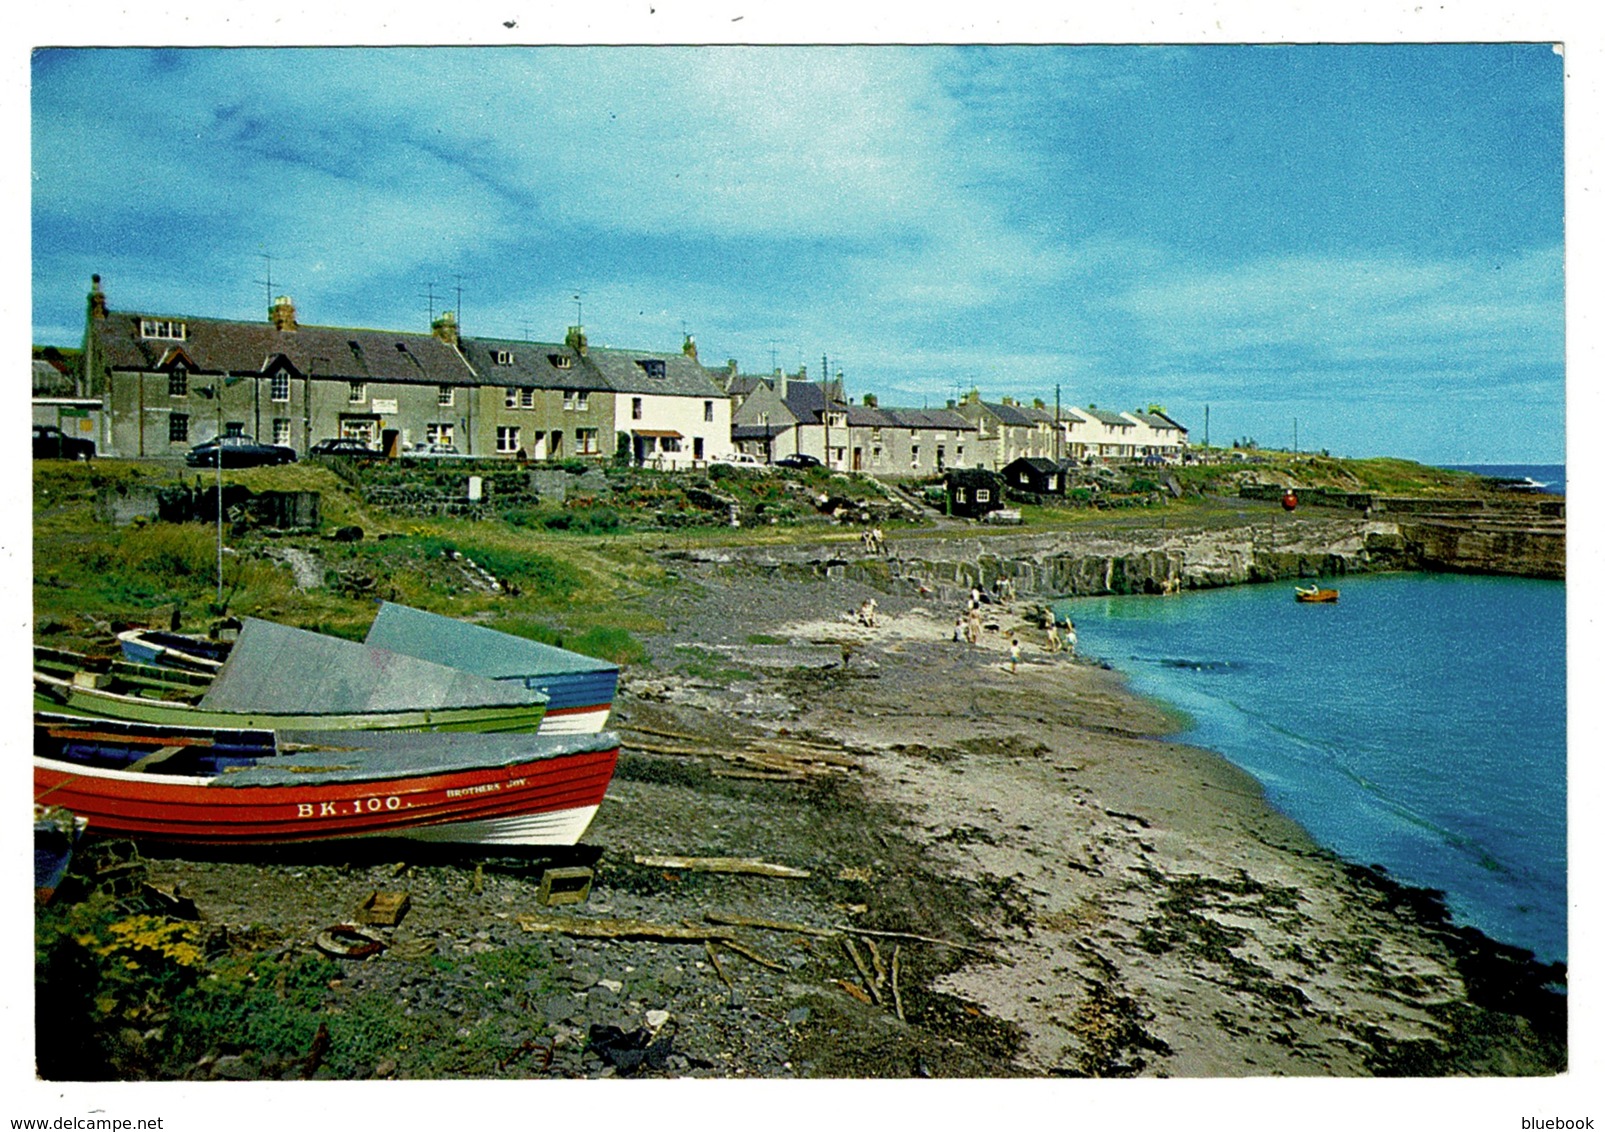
800 460
345 446
238 452
50 443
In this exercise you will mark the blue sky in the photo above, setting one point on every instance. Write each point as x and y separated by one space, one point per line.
1365 239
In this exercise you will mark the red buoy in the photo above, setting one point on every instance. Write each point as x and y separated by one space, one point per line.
1289 501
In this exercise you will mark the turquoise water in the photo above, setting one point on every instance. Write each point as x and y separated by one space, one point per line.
1418 724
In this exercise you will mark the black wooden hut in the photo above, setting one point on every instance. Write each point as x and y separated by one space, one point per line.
973 492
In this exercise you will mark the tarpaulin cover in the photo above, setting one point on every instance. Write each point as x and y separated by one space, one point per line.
277 668
473 648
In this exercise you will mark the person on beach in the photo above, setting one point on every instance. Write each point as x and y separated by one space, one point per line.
1053 637
1014 652
958 629
975 624
1069 636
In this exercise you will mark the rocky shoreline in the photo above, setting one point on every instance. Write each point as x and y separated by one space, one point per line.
1010 871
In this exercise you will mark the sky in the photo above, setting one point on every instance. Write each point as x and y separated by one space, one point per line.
1359 247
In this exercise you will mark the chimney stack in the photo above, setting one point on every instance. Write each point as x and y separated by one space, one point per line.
445 328
576 340
689 348
282 313
97 298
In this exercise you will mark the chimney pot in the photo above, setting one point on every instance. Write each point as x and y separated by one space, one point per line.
282 313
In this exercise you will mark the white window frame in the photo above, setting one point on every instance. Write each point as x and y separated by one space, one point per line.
707 410
582 402
507 439
636 408
358 394
585 441
445 396
568 400
281 430
164 329
510 400
178 382
440 432
983 495
279 386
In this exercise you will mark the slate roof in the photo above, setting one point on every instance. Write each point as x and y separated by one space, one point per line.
930 419
1106 417
1008 414
1158 420
622 372
806 400
228 346
534 365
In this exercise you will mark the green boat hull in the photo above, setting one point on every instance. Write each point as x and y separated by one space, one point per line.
134 709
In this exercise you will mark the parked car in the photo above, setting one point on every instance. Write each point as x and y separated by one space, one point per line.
430 451
238 452
740 460
50 443
345 446
800 460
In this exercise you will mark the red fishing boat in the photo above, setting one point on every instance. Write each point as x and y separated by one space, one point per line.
1314 593
225 786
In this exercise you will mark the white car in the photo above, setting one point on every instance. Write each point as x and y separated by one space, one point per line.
741 460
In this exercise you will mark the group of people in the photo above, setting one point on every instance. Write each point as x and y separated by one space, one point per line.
874 540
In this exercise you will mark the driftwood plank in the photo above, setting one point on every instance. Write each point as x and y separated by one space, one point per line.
619 929
769 925
748 865
897 995
863 971
749 953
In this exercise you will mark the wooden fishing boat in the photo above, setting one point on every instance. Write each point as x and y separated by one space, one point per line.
579 688
173 650
277 677
227 786
1314 593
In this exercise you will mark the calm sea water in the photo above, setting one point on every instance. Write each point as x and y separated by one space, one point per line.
1419 723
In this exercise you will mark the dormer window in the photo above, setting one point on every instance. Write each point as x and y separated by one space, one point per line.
281 385
178 382
162 328
504 357
652 366
561 361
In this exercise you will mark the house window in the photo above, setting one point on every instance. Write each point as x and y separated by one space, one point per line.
707 410
177 428
635 408
582 402
359 392
281 386
669 444
507 438
568 400
504 357
281 430
510 400
983 495
958 495
438 433
161 328
652 366
445 395
562 361
585 441
914 455
526 398
178 382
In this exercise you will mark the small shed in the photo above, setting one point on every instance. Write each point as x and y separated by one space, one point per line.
1035 474
972 492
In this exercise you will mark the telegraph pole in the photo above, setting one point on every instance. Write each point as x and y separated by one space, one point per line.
824 393
1058 424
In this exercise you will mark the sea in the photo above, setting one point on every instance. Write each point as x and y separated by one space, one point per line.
1418 724
1552 476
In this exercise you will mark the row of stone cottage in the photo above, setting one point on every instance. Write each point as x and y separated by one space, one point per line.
155 384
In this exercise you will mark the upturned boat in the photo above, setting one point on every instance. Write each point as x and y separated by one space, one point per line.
1314 593
277 677
224 786
579 688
